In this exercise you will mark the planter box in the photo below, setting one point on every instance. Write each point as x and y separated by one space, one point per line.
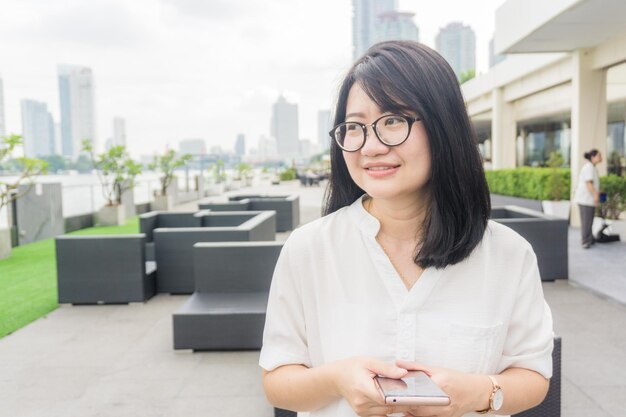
546 234
163 203
5 242
112 215
558 209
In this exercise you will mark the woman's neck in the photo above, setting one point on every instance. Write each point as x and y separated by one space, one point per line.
399 220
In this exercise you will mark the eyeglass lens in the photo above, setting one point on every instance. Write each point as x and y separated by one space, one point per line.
391 130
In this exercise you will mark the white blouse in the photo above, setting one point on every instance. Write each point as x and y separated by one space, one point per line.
335 295
588 173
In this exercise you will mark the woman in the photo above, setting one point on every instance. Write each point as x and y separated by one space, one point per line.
588 195
405 271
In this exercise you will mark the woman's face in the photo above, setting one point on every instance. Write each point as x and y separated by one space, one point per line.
596 159
387 172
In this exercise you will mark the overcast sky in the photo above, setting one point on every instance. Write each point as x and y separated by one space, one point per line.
177 69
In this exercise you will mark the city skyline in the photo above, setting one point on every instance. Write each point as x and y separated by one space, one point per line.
182 69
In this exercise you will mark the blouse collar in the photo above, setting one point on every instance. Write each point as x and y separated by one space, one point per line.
364 220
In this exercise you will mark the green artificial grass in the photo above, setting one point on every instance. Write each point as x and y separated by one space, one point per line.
28 280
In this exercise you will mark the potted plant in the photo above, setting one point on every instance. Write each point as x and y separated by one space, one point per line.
26 169
217 172
116 172
557 189
614 208
245 173
167 164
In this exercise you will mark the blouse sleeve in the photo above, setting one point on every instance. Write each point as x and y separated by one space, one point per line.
587 173
284 336
530 337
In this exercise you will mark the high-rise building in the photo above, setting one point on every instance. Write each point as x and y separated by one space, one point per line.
365 20
3 129
284 128
192 146
240 145
396 25
324 124
457 44
76 95
119 132
37 129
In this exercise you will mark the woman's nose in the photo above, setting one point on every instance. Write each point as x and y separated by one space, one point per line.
373 146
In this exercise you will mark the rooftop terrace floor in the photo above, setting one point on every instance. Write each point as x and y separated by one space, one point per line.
118 360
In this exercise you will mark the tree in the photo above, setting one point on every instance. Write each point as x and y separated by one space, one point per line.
83 164
217 170
244 170
166 164
116 171
467 75
27 168
55 162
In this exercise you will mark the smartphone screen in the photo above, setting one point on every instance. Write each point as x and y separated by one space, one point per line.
414 389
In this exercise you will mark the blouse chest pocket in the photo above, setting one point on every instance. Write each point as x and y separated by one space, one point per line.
474 349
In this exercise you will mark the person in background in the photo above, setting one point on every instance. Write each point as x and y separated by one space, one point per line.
588 195
405 271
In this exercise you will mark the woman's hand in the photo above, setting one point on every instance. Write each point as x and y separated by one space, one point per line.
355 382
467 392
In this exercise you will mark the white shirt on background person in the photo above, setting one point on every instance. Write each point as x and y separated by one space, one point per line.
587 173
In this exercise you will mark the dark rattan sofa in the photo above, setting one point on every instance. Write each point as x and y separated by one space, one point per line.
103 269
227 309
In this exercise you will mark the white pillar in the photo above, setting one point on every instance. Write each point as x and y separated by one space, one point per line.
589 117
503 132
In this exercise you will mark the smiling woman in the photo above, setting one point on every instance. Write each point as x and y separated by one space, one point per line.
405 271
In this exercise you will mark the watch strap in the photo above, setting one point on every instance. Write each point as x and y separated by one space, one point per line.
496 387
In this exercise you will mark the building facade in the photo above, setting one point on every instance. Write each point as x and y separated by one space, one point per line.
456 42
192 146
285 129
396 25
119 132
76 95
240 145
37 129
558 90
324 124
365 21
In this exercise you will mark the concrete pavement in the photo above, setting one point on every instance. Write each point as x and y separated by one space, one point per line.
117 360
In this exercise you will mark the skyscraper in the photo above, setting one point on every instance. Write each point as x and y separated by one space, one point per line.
365 20
240 145
284 128
457 43
119 131
37 129
396 25
192 146
3 130
76 94
324 124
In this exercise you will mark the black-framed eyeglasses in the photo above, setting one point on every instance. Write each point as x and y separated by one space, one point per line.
391 130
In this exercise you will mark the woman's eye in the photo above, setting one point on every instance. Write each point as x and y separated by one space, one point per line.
351 127
390 121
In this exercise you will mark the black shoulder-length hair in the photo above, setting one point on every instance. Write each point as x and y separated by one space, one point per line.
401 76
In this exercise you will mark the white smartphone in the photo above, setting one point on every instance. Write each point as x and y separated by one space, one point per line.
416 388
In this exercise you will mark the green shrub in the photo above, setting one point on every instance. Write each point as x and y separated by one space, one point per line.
527 182
288 174
615 189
